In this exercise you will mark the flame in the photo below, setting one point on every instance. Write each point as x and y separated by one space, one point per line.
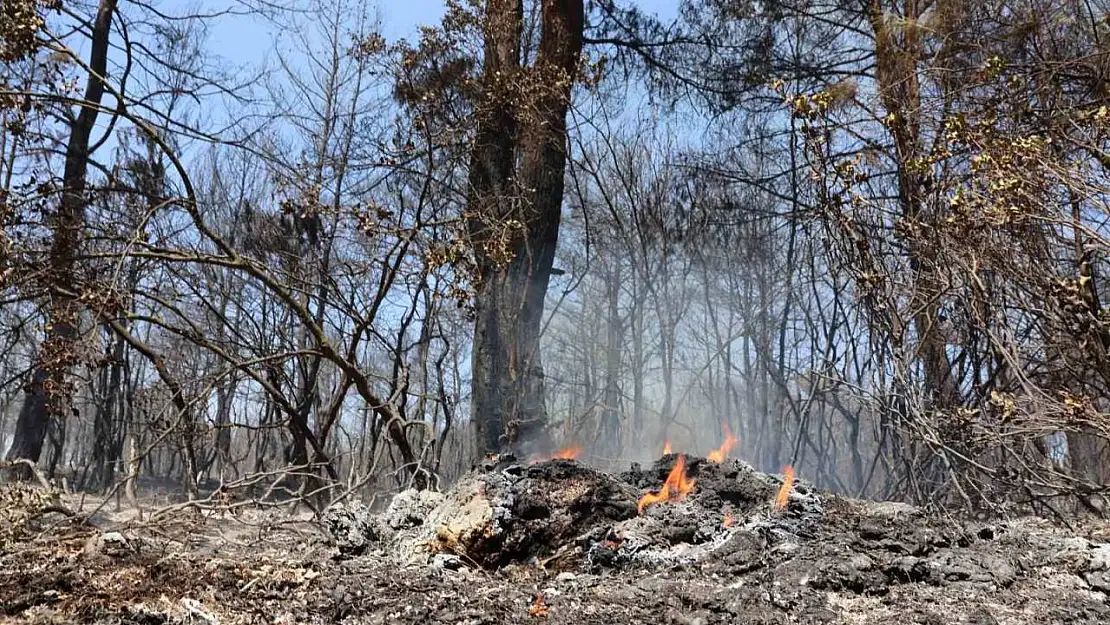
667 448
719 454
539 608
568 453
675 488
729 520
787 485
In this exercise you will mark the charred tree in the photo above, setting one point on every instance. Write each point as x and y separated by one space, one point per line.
517 165
49 393
610 416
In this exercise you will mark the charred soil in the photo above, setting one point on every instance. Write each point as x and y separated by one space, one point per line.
559 542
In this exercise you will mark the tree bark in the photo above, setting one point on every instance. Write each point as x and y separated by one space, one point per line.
610 434
109 423
49 394
896 58
517 167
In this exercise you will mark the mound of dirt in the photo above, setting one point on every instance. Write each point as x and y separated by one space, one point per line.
502 514
560 516
567 516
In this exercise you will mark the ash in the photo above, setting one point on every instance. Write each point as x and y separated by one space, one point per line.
559 542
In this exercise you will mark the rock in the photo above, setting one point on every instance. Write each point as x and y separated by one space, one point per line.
1099 581
1073 553
113 544
446 561
1099 558
409 508
950 566
566 576
195 612
861 562
351 527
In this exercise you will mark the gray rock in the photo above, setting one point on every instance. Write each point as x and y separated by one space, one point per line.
861 562
1100 558
1099 581
409 508
351 526
446 561
566 576
112 544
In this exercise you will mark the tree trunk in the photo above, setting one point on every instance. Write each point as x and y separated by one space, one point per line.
610 415
897 53
108 424
516 194
49 394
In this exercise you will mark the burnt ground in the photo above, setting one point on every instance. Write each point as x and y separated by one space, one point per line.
561 543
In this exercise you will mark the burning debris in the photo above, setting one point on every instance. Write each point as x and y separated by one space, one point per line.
557 541
721 520
571 452
559 513
675 487
783 496
539 608
719 454
568 453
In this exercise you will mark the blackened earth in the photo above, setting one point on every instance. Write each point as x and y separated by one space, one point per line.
559 542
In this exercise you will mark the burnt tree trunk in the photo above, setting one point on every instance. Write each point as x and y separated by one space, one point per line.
610 434
49 393
515 199
109 423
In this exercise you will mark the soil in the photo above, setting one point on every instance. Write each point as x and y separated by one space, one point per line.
557 542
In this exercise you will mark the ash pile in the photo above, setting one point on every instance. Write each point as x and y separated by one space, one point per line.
562 515
720 519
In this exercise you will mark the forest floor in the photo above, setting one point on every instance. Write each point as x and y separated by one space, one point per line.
556 543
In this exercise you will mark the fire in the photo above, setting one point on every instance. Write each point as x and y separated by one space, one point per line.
539 608
784 491
568 453
675 488
729 520
719 454
667 448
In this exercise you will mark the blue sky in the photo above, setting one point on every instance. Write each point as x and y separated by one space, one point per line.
247 41
401 17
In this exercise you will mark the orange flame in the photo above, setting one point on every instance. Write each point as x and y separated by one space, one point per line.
539 608
568 453
784 491
729 520
719 454
667 448
675 488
